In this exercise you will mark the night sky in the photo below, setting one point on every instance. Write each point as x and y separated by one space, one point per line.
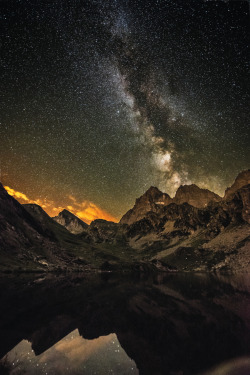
102 99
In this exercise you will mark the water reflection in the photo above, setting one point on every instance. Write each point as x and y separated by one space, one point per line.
72 355
176 324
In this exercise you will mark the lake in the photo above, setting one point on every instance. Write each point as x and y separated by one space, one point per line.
153 324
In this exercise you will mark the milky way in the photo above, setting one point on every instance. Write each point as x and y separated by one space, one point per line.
102 99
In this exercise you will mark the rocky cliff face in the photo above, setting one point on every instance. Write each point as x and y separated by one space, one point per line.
214 235
190 238
188 219
152 200
71 222
239 204
241 180
102 231
195 196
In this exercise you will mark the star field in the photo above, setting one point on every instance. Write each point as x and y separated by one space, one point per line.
100 100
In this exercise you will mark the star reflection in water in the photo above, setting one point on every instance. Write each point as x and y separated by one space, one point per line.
72 355
164 324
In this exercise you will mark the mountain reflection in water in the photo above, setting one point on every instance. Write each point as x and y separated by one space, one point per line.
176 324
73 355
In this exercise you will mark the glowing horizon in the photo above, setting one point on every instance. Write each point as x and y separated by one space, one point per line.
84 210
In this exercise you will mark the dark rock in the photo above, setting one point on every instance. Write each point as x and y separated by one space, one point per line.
150 223
106 231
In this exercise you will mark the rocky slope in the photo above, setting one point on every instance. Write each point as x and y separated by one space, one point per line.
184 237
51 228
157 231
155 201
30 240
188 238
152 201
242 179
23 239
195 196
81 250
105 231
71 222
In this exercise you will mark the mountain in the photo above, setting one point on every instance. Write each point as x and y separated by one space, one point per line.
195 196
52 229
242 197
195 231
30 240
188 238
80 248
152 200
241 180
23 239
182 236
71 222
102 231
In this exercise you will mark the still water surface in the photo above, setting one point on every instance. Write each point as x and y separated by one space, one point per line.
176 324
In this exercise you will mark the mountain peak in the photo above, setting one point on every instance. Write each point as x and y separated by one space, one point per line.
152 190
71 222
36 209
152 194
152 200
241 180
66 213
195 196
189 187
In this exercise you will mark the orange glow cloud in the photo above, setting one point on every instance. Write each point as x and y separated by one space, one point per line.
16 194
85 210
88 211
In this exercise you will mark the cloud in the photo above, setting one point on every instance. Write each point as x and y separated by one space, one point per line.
88 211
85 210
22 198
16 194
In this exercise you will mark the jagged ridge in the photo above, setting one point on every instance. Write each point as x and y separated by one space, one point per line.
157 229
